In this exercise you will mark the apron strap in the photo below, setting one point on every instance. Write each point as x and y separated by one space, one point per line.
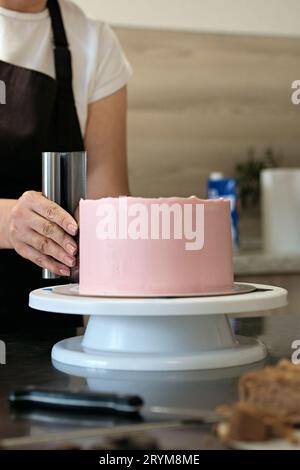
60 38
68 132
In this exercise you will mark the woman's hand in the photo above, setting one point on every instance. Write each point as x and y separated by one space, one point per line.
41 231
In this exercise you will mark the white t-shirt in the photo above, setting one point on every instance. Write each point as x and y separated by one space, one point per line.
99 65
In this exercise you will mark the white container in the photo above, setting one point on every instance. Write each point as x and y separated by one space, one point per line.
280 190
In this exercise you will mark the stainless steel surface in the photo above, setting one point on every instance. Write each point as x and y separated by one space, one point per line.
237 289
67 436
200 416
49 275
51 177
64 182
28 362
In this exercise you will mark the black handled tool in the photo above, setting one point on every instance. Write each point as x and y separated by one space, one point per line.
104 403
111 403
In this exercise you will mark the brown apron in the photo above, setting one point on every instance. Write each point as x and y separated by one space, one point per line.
39 115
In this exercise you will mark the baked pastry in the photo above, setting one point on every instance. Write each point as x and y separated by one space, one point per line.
268 406
274 390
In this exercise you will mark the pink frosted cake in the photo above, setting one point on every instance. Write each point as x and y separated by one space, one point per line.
155 247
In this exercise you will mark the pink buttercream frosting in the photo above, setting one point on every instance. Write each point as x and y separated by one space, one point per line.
119 256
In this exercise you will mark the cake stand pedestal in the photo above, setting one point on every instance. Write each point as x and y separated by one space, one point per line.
159 334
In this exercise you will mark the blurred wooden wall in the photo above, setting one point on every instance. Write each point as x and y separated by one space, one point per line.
199 101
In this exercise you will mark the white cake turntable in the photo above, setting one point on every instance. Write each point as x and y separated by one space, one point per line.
159 334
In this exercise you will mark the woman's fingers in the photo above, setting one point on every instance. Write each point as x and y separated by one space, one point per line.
42 260
54 232
50 211
42 232
26 220
48 247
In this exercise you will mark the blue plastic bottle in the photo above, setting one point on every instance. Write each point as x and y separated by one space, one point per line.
219 186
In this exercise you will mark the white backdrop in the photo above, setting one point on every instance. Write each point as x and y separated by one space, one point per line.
267 17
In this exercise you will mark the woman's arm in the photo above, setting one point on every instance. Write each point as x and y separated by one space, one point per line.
6 206
106 144
40 230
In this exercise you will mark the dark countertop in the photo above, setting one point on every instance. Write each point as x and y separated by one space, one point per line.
258 262
29 363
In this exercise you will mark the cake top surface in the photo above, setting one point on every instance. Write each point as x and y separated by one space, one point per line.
168 200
